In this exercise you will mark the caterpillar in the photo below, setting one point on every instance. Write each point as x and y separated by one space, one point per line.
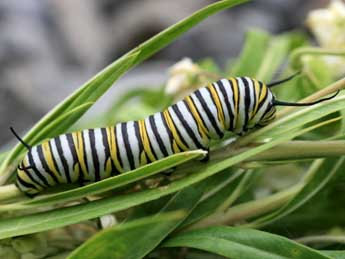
236 104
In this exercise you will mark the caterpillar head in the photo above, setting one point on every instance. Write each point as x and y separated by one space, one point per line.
272 102
24 182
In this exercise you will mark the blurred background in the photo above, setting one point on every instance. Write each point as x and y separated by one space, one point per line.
49 48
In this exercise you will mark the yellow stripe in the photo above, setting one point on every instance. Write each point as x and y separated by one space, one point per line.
49 159
113 150
256 92
236 98
76 171
108 167
202 128
23 175
176 149
173 131
26 177
263 93
217 101
143 159
78 143
145 140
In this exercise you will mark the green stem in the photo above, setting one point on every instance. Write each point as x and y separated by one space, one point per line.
321 239
291 150
8 192
249 209
295 57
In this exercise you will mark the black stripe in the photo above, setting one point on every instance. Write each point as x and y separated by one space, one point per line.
171 137
178 132
94 154
33 179
84 154
63 159
117 149
73 149
208 113
265 97
140 141
127 145
107 151
201 117
227 103
34 168
194 119
151 147
268 108
54 160
26 184
255 100
236 105
246 102
157 135
45 164
186 126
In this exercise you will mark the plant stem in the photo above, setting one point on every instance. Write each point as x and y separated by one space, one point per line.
295 57
9 192
322 239
249 209
289 151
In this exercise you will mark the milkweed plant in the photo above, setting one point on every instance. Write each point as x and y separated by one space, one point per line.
275 192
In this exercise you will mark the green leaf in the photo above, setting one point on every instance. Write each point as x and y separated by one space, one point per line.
97 86
69 215
121 241
239 243
274 56
126 245
252 55
335 254
321 174
88 93
232 188
107 184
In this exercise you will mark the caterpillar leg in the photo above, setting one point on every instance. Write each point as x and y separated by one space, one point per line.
82 181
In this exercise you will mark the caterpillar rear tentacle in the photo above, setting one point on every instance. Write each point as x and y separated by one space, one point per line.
236 104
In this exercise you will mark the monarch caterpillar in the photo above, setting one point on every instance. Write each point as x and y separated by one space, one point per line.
236 104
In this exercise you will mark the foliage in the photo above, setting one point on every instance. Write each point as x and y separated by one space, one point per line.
244 183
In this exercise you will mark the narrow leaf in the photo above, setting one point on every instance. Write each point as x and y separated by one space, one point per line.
239 243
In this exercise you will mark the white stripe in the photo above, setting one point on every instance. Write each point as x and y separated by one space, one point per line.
68 155
122 150
153 140
182 130
252 96
224 107
204 116
58 160
88 154
211 105
191 122
100 150
163 132
241 116
40 168
133 143
230 94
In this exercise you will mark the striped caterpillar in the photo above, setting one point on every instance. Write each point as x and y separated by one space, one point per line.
236 104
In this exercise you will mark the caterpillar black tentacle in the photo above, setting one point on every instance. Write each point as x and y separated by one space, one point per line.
236 104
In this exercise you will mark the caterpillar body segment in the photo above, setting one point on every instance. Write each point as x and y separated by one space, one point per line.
236 104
